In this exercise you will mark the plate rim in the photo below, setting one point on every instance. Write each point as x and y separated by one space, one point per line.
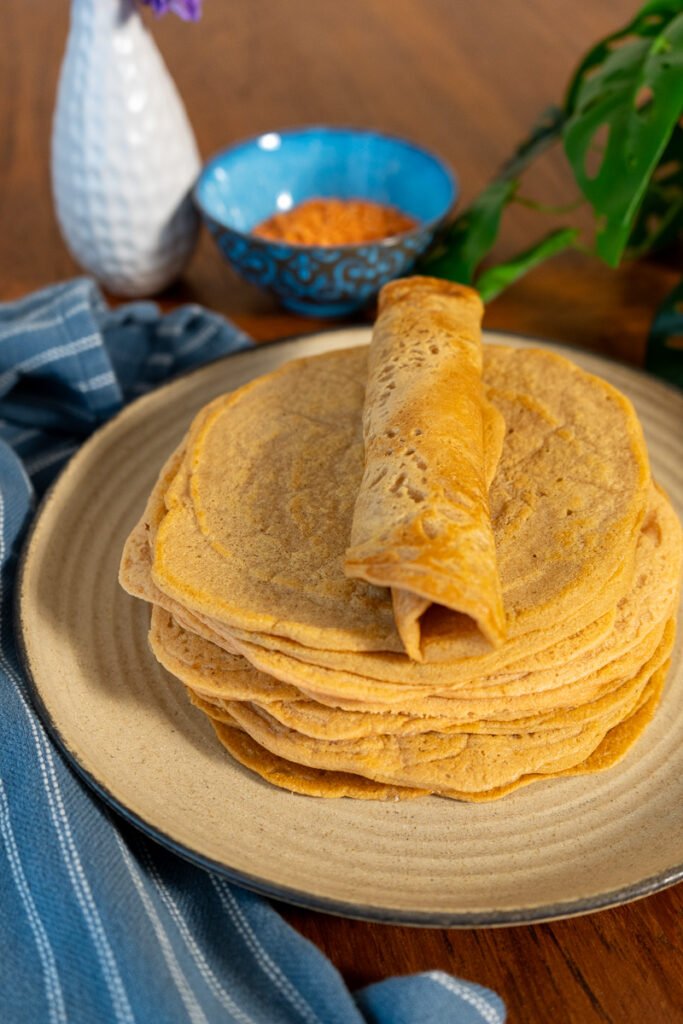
359 911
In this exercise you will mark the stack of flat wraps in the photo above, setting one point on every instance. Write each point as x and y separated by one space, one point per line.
426 566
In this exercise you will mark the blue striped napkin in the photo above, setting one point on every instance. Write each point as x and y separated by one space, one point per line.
98 923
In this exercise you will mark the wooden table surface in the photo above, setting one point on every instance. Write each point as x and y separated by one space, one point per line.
466 79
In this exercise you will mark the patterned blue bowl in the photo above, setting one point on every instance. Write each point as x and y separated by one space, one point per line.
245 184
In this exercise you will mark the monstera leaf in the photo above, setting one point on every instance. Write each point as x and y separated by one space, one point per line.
660 217
622 107
622 134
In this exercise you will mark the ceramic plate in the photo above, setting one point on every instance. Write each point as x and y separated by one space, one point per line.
550 850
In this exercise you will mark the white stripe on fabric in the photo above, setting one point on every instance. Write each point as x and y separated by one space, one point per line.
78 308
55 300
213 983
194 343
65 838
34 463
487 1012
102 380
54 995
50 355
263 958
194 1010
171 330
23 435
39 308
79 882
22 329
30 325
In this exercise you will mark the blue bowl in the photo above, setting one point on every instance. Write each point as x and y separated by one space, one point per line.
245 184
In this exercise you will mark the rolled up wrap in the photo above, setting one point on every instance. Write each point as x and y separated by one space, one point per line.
421 523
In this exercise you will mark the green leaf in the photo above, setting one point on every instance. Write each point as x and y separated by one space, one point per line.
491 282
635 93
649 21
664 355
660 217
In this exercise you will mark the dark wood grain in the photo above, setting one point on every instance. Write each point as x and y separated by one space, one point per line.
621 965
466 79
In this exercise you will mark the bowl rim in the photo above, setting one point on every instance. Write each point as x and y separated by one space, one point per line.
266 243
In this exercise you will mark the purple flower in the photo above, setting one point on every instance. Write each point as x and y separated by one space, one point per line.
188 10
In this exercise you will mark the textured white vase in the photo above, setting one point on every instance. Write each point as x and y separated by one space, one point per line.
124 158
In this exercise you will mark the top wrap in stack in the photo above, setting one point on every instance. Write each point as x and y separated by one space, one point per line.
421 522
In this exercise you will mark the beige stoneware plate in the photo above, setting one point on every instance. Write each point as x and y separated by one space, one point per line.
551 850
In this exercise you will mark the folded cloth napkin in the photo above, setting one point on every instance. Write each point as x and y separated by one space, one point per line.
98 923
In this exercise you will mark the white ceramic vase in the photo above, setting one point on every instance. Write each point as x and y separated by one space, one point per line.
124 157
